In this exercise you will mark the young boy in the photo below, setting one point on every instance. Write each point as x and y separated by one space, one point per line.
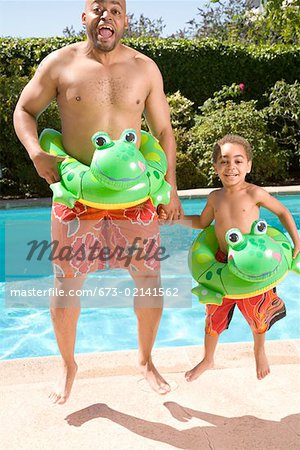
236 205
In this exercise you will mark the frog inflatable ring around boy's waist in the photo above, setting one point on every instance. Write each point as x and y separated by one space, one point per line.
257 262
120 175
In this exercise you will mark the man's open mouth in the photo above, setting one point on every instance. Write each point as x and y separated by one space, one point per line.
106 31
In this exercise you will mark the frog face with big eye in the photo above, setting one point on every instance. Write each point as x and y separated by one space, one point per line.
102 140
118 163
253 256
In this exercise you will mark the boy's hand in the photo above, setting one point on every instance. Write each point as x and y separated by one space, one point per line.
173 210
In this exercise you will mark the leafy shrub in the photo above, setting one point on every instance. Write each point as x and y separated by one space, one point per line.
269 162
19 177
188 174
283 115
181 111
234 92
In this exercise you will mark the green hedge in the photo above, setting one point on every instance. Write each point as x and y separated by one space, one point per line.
196 68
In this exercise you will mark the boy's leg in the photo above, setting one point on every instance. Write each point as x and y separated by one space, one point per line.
65 311
210 344
261 312
218 318
262 365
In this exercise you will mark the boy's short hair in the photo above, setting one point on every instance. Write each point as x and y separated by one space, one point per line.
231 139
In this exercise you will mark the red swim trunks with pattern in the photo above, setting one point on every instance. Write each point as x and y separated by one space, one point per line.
87 239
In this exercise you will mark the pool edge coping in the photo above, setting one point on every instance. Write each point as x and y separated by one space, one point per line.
124 362
183 194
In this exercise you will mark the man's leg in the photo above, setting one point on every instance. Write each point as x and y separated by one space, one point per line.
65 311
148 310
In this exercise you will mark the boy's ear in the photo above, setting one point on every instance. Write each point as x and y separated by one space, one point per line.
249 166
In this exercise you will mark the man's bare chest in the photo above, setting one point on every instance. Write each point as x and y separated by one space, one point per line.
99 88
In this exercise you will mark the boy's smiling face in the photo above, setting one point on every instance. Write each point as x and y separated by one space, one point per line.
232 164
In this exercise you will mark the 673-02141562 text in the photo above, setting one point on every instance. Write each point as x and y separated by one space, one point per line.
97 291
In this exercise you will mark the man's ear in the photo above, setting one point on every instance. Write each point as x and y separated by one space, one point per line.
249 166
126 22
83 18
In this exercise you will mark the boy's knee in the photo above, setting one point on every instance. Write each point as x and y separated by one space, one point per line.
260 328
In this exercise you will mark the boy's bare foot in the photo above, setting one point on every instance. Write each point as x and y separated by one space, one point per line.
61 393
193 374
262 364
154 379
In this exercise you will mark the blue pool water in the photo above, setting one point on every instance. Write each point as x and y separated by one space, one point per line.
28 332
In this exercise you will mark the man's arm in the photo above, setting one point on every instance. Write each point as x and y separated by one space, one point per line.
35 98
157 114
284 215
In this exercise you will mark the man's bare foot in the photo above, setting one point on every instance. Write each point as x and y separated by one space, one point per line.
154 379
61 393
193 374
262 364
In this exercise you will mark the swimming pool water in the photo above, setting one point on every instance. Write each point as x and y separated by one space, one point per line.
28 332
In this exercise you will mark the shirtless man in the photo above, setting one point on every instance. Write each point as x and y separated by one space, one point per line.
99 85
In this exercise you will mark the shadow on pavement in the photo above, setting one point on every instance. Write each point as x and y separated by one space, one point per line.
223 433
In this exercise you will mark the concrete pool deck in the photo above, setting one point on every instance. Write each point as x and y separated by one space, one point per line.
227 408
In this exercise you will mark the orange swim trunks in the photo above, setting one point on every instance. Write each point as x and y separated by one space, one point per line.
87 239
261 311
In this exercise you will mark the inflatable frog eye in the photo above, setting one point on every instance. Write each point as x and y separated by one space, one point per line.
234 237
129 136
259 227
101 141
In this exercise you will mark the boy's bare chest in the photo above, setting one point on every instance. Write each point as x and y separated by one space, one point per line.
235 207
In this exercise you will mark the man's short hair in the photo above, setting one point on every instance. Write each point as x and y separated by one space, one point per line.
232 139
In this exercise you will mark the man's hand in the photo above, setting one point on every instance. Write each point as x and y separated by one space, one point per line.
46 166
172 211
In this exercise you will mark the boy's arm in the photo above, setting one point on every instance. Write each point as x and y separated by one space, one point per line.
204 219
35 98
284 215
157 114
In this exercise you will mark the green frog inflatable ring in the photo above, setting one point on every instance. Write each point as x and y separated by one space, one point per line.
120 175
257 262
